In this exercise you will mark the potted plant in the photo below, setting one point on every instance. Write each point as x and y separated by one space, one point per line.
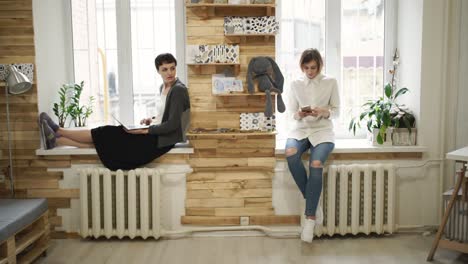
69 105
384 114
404 132
61 108
79 113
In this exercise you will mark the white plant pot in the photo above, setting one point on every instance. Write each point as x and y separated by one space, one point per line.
402 137
372 137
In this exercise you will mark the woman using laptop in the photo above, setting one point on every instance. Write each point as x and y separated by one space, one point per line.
119 148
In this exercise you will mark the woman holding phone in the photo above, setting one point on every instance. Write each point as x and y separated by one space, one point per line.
313 101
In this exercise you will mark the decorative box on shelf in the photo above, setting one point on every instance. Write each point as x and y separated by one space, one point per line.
243 94
221 53
222 84
230 2
257 121
250 25
25 68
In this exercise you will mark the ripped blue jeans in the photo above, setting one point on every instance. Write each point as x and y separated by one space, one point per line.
310 187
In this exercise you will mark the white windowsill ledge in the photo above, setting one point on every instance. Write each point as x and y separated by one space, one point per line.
182 148
361 146
341 146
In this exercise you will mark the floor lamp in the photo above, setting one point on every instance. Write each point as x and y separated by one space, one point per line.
16 83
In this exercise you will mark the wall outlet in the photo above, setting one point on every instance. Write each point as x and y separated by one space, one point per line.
244 220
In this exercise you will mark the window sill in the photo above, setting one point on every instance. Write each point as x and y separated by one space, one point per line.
181 148
361 146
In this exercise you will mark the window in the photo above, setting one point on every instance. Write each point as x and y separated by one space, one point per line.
151 20
123 83
350 36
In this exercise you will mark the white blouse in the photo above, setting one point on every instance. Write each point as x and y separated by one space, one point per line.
322 91
160 105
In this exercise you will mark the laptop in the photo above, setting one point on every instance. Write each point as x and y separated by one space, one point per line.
130 127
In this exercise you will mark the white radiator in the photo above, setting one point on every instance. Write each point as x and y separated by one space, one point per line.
457 225
120 203
358 198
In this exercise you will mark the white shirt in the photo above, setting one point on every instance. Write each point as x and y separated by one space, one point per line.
160 105
322 91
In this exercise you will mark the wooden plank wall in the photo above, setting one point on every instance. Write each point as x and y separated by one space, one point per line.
17 46
32 180
31 176
232 175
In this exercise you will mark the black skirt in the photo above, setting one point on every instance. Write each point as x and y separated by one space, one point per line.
118 149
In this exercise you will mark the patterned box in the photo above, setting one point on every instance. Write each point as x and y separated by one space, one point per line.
257 121
250 25
212 54
25 68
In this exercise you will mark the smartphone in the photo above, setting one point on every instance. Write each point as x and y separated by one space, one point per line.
306 109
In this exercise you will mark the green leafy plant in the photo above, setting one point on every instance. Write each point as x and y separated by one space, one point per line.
79 113
385 112
69 105
61 108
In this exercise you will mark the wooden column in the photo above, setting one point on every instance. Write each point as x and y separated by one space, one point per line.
232 179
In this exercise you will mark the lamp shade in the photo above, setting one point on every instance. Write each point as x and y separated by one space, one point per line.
17 82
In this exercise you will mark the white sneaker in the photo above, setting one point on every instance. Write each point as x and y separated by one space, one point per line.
319 215
307 234
303 217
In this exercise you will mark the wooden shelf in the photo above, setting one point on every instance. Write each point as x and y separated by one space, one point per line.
28 239
33 254
242 38
251 35
229 5
198 66
214 64
204 8
243 94
229 135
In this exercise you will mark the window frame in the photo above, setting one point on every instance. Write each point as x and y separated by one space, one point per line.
333 45
124 54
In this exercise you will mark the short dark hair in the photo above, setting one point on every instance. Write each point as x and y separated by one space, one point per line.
311 55
164 58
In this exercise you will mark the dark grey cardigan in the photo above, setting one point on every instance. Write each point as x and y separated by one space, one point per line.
176 117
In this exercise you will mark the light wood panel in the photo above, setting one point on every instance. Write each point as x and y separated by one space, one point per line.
17 46
210 220
232 171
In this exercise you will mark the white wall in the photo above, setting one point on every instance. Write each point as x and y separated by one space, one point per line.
420 41
409 42
53 42
462 87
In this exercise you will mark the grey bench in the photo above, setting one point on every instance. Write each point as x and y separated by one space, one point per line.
24 230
